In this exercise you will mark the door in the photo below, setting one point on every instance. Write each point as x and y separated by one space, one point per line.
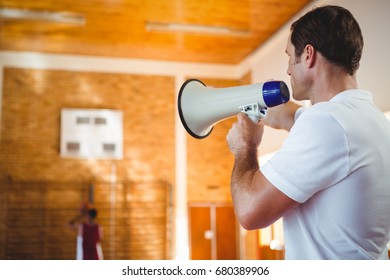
213 232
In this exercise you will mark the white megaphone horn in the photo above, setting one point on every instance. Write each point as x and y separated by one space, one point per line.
200 107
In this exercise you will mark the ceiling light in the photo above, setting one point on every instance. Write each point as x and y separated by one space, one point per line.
195 28
39 15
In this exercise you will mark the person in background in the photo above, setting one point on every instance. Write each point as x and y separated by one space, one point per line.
330 181
90 235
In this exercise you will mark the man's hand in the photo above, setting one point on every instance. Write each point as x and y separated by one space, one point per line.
257 203
244 135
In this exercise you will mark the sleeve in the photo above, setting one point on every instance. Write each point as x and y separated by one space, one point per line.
313 157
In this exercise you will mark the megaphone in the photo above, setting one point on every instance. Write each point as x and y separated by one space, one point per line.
201 107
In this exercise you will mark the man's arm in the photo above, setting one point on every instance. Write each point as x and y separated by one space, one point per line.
73 223
282 116
257 202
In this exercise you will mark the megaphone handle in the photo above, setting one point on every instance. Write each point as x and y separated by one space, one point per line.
254 112
255 117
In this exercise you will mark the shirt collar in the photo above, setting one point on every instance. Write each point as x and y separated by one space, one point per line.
353 93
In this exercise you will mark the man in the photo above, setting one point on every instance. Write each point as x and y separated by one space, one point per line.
330 181
90 234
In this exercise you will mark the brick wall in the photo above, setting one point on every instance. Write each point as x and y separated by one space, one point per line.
135 218
40 190
30 128
29 158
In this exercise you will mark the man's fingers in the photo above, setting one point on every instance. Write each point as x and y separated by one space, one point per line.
241 116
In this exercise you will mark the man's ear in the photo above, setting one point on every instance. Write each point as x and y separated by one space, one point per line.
309 55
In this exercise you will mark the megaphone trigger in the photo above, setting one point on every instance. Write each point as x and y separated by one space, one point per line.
253 111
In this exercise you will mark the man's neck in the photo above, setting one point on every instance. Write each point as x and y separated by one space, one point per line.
330 81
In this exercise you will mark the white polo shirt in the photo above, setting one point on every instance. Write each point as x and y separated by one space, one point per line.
336 163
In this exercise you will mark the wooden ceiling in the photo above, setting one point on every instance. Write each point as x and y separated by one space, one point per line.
117 28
